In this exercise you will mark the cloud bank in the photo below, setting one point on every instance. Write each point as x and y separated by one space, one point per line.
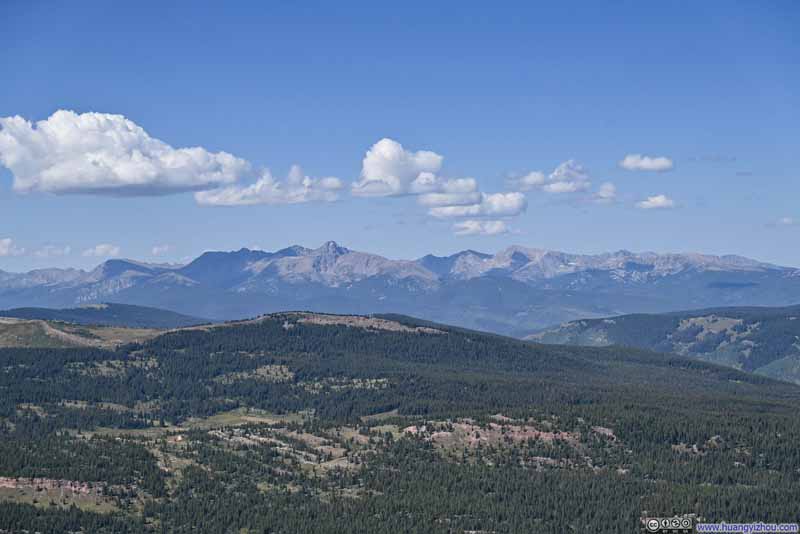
110 155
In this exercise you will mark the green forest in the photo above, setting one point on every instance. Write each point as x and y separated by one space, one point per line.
300 422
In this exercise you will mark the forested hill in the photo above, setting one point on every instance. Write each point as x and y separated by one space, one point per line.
301 422
108 314
755 339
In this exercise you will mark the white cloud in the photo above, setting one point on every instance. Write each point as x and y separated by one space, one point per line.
105 154
639 162
606 194
530 181
103 250
388 169
787 221
473 227
656 202
296 189
491 205
456 192
568 177
160 250
8 248
563 187
50 251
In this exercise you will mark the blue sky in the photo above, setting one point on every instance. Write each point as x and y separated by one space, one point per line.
708 91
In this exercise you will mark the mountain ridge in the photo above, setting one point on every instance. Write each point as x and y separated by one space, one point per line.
107 314
514 291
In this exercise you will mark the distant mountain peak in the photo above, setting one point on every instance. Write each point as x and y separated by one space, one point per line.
331 248
294 250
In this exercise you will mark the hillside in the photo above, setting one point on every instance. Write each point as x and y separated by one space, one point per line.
761 340
108 314
35 333
513 292
303 422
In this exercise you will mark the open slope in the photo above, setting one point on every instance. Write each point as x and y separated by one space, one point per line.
35 333
755 339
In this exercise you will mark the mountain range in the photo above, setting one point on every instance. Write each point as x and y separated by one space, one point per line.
516 291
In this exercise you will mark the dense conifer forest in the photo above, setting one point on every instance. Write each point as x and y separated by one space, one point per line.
311 423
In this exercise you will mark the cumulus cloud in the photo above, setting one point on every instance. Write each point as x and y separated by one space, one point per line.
160 250
103 250
568 177
639 162
606 194
105 154
296 189
530 181
455 192
473 227
8 248
491 205
656 202
388 169
52 251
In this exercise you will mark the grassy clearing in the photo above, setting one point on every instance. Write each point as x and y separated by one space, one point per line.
237 417
380 416
265 373
47 497
242 416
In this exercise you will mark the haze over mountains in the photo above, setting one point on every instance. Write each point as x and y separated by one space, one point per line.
515 291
